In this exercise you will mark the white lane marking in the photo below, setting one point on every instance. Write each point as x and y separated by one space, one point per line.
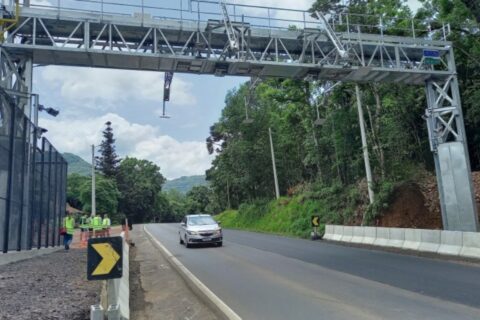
222 306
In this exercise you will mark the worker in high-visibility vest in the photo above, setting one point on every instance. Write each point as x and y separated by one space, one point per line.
106 224
97 225
69 225
84 225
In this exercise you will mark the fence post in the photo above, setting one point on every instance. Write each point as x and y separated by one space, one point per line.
22 182
10 178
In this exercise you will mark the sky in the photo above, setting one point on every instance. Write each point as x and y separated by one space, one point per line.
132 101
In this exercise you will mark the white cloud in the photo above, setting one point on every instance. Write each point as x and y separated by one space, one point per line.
175 158
104 89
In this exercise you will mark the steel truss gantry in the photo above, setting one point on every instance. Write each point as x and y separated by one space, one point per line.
341 51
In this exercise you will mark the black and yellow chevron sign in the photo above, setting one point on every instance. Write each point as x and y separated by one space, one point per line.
315 221
105 260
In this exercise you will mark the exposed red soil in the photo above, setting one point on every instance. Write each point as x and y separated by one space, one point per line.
417 204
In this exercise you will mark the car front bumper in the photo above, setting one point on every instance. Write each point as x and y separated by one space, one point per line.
204 239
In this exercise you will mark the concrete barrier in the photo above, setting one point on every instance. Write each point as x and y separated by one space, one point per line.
347 234
338 233
413 238
382 238
470 245
358 233
116 302
396 238
450 242
329 232
430 241
369 235
455 243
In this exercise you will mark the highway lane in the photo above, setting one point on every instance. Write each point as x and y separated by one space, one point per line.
270 277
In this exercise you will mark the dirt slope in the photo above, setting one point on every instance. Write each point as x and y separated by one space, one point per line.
417 205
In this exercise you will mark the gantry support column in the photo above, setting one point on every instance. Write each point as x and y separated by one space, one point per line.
448 143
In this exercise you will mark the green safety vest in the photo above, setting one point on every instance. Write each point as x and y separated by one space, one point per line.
84 222
69 224
106 222
97 223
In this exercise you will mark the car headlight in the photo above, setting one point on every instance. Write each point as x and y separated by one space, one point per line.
192 233
219 231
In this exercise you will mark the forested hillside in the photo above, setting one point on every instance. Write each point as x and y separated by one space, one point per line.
185 184
77 165
320 163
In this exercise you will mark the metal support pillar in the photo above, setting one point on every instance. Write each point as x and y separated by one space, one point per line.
448 143
366 158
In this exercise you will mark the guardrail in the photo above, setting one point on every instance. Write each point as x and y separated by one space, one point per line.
454 243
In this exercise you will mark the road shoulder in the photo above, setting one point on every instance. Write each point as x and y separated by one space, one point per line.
158 291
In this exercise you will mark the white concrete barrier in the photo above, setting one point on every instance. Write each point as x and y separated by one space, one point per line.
118 290
347 234
455 243
413 238
396 238
337 233
329 232
383 235
430 241
470 245
358 233
450 242
369 235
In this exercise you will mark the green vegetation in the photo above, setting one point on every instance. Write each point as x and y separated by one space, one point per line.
320 167
77 165
185 184
292 215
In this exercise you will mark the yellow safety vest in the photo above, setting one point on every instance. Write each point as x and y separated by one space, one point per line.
97 223
106 222
69 224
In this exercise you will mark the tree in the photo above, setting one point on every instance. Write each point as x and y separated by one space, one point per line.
107 196
474 7
197 199
139 182
177 202
74 184
107 162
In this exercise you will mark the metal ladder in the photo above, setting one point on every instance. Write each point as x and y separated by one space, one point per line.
332 35
232 36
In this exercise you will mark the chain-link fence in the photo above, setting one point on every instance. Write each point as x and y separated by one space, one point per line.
33 177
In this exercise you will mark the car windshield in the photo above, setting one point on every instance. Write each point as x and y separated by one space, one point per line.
200 221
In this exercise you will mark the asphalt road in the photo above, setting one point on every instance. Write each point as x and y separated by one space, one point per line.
270 277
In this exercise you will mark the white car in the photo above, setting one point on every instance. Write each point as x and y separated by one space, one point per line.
200 228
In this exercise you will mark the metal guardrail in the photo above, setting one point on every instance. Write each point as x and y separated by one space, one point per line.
257 16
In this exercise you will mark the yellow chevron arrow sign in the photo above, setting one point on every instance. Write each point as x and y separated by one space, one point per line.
105 258
109 258
315 221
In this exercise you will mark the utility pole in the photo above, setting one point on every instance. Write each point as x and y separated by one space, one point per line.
93 181
364 144
228 195
277 191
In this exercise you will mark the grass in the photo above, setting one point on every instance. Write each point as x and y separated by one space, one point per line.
291 216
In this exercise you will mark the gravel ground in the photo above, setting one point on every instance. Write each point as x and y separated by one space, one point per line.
52 286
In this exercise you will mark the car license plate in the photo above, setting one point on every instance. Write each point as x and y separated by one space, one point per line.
207 239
